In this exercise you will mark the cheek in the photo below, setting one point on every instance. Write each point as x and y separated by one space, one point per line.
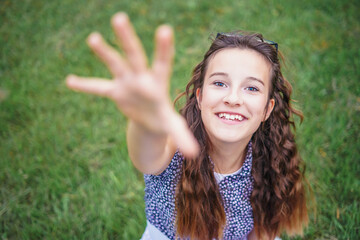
213 97
258 106
204 100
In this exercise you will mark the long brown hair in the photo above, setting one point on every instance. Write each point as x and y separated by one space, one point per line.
278 199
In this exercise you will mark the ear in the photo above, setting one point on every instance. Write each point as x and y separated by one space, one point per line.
198 97
269 109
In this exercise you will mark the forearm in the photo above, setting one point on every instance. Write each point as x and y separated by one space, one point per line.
150 152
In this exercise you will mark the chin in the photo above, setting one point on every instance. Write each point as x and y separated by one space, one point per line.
230 139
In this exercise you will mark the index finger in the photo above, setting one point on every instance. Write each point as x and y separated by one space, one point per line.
164 52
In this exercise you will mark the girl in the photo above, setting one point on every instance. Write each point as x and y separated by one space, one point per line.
230 170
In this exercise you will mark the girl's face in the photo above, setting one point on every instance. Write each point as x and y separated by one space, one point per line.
234 97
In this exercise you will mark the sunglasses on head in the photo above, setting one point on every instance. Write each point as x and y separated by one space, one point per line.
261 40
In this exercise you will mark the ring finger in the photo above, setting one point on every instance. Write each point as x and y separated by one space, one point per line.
111 58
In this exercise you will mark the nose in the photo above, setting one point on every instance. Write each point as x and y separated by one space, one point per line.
234 98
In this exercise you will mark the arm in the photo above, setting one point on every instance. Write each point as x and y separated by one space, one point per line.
155 129
150 153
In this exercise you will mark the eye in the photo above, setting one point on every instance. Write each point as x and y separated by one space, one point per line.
252 89
219 84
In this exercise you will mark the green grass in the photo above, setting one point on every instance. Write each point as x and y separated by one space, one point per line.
64 169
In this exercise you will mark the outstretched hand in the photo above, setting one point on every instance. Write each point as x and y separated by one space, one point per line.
141 93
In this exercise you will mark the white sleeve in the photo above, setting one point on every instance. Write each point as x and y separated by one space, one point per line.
152 233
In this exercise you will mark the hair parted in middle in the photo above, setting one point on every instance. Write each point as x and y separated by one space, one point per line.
278 199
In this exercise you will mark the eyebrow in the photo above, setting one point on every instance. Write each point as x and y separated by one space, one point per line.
256 79
219 74
227 75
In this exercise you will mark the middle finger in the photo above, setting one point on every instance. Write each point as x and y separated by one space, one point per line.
130 42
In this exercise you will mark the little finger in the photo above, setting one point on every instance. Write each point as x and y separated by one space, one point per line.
97 86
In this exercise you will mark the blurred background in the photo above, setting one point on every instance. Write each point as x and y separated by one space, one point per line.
64 169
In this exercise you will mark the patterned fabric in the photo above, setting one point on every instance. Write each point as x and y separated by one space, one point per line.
234 189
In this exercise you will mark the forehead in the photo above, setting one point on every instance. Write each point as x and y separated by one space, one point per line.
240 63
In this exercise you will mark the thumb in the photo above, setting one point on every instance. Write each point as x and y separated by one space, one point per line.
183 137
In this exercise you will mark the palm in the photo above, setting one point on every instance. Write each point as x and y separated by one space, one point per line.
140 92
144 99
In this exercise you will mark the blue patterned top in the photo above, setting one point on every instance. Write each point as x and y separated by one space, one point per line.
234 189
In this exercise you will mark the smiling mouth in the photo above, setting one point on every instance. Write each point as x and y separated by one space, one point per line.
231 117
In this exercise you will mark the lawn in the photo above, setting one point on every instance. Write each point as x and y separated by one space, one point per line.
64 168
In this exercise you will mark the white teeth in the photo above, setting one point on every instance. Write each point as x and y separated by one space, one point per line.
230 117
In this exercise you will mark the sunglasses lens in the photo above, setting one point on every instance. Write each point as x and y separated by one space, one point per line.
233 35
